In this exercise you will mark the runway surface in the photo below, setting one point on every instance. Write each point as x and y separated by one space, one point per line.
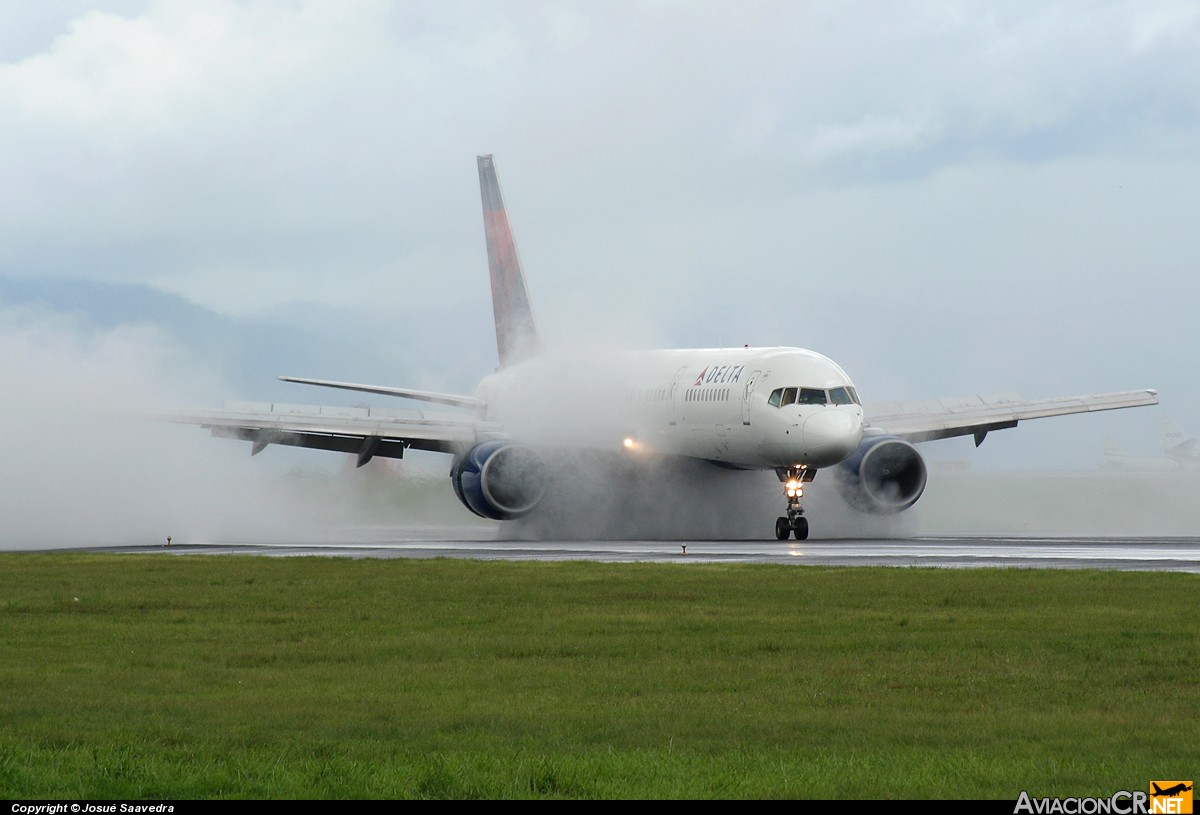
1131 554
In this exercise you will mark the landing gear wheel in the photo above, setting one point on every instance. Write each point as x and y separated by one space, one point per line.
782 528
800 527
793 479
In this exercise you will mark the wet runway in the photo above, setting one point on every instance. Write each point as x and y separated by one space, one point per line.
1131 554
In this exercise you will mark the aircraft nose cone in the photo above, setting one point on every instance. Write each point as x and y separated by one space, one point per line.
831 435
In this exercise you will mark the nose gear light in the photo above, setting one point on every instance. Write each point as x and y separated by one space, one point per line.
794 478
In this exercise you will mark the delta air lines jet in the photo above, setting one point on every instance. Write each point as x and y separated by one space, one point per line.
1179 448
787 410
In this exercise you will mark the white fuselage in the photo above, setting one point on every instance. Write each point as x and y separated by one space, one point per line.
743 407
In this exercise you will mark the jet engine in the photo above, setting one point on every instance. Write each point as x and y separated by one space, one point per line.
499 480
885 475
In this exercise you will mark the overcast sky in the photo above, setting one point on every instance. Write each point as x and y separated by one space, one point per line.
946 197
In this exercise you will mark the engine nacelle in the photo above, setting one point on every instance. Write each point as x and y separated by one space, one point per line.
499 480
885 475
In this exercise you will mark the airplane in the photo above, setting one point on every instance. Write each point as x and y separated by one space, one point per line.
1183 451
545 415
1180 453
1116 458
1172 791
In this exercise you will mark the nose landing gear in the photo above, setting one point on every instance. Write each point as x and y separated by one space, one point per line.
793 478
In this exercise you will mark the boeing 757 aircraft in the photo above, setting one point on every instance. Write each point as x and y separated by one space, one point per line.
787 410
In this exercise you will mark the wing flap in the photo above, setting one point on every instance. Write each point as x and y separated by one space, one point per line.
978 415
366 431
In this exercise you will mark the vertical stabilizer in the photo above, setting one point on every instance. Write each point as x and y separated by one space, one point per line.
1175 444
516 334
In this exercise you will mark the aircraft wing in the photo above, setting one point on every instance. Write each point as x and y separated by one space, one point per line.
978 415
364 431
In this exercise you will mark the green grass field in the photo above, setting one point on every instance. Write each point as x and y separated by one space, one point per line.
149 677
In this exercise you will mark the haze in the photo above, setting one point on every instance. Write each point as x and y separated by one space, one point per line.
947 198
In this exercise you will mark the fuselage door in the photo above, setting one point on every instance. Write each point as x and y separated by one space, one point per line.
748 396
676 394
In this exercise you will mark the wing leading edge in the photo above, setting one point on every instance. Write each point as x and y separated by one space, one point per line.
365 432
978 415
452 399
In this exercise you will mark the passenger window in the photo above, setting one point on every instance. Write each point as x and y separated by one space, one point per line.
773 401
789 396
812 396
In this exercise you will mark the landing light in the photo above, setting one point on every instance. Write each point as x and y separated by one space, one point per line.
630 444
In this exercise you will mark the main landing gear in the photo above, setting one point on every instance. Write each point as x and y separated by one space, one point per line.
794 478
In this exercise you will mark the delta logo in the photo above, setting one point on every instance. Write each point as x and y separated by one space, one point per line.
1171 797
719 375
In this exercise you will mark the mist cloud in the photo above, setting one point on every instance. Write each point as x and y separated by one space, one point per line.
81 464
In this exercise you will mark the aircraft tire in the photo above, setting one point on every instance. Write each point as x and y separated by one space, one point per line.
782 529
801 529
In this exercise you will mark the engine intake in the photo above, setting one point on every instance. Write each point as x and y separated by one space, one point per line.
499 480
885 475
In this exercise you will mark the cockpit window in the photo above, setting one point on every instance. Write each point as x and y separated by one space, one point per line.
841 396
811 396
